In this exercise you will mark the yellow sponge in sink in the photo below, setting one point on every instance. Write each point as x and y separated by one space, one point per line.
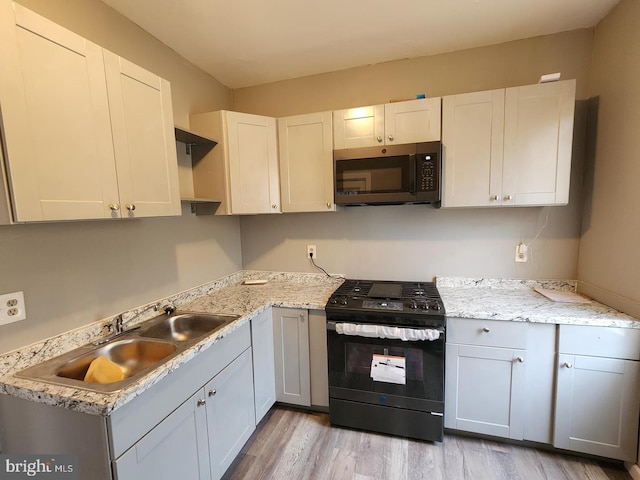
103 370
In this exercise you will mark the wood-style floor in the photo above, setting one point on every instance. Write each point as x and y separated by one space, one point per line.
295 445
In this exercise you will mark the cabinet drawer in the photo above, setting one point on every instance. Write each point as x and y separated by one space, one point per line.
600 341
490 333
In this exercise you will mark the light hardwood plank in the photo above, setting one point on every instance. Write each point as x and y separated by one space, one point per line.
296 445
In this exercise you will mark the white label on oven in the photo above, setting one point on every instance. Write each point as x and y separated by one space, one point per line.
389 369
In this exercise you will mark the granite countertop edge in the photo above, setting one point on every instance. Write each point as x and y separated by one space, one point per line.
227 295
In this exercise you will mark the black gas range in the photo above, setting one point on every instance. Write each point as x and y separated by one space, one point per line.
394 303
385 350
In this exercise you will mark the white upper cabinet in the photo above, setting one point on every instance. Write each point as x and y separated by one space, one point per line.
472 137
508 147
143 138
538 136
57 114
306 163
393 123
243 169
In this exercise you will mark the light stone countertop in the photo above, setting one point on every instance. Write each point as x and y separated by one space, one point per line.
516 301
223 296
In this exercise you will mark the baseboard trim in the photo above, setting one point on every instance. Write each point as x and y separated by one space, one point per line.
633 469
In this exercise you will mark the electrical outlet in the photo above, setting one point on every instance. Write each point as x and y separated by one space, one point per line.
12 308
311 249
522 253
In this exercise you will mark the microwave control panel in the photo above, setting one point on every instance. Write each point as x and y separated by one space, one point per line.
427 172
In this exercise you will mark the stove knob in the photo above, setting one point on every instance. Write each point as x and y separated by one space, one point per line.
413 305
333 301
424 306
343 301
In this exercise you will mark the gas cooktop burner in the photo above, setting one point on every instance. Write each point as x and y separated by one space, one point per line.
377 297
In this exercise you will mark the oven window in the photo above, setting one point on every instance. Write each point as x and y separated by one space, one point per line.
351 358
373 175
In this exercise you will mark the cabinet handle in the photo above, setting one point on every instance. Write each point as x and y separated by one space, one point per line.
391 138
114 206
568 364
131 207
494 198
301 317
485 330
519 359
201 402
508 197
379 139
212 392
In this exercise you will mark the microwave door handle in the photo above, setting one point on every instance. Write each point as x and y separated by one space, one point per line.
413 173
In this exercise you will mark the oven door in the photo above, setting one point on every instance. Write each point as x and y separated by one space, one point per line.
389 372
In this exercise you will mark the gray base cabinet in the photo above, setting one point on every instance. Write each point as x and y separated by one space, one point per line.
499 378
598 395
264 374
176 448
230 413
291 343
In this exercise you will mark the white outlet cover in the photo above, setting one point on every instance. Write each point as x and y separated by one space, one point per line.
522 253
12 308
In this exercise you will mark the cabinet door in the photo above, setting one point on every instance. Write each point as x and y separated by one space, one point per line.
56 120
143 138
291 343
358 127
264 373
253 163
597 404
306 163
537 143
472 139
413 121
230 412
484 390
176 448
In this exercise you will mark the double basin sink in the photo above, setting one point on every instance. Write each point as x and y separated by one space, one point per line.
137 351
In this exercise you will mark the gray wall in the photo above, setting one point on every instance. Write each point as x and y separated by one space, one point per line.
418 242
609 265
78 272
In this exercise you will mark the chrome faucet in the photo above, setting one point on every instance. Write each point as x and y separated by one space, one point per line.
117 327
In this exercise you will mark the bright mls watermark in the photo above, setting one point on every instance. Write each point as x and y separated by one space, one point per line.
45 467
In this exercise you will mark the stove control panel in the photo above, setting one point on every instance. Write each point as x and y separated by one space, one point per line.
383 305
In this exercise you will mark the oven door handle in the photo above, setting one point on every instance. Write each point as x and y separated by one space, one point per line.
331 326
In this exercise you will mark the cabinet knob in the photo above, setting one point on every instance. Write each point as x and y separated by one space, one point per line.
508 197
131 207
379 139
212 392
274 206
485 330
519 359
494 198
201 402
115 207
328 205
391 138
568 364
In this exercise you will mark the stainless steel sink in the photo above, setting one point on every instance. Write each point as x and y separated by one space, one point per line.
137 351
133 355
181 327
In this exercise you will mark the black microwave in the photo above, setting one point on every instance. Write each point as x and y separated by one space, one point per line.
388 175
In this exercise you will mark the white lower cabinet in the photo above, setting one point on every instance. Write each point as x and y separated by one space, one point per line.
291 343
597 396
264 375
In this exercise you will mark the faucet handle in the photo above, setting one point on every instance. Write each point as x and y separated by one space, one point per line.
169 309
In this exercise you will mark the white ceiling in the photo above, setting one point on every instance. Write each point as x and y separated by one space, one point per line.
252 42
